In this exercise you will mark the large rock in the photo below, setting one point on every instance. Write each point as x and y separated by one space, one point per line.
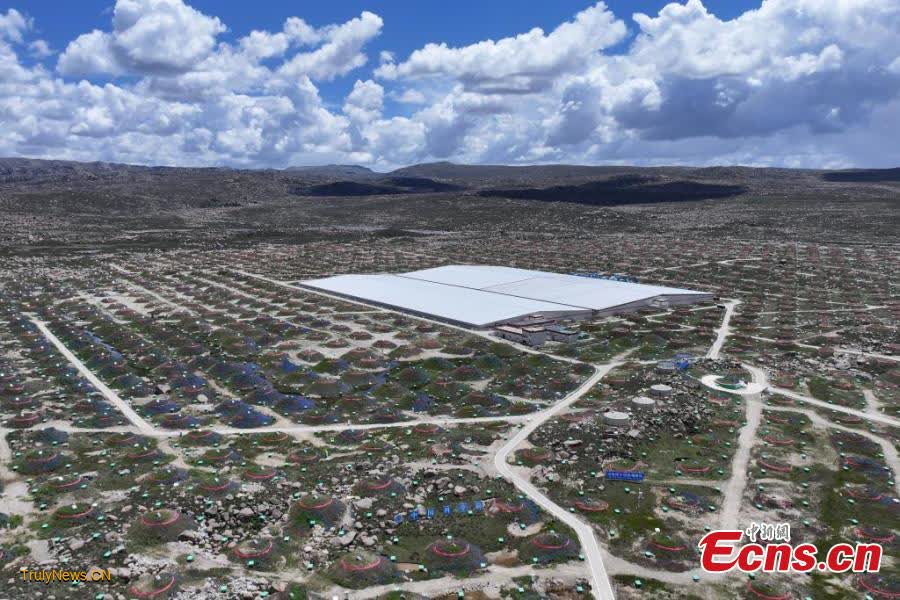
347 538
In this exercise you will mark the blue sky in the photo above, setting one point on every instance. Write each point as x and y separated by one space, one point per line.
408 24
785 82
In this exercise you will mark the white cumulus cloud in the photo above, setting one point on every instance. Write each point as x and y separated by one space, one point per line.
148 36
13 25
527 62
791 82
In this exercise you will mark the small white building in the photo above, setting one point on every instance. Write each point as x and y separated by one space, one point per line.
558 333
643 403
661 390
530 336
616 418
659 302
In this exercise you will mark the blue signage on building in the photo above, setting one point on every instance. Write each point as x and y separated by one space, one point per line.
625 475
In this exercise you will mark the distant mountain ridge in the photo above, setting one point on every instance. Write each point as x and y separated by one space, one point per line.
336 171
102 186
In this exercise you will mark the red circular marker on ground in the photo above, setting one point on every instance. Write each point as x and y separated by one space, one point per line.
260 476
42 459
326 503
139 455
696 469
435 547
199 434
564 543
765 596
507 507
26 419
209 487
78 515
303 457
778 441
873 497
254 553
61 484
374 446
875 537
357 568
592 505
873 589
667 548
775 467
154 592
162 518
377 485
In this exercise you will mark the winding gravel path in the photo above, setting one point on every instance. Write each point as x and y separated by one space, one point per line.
601 587
733 492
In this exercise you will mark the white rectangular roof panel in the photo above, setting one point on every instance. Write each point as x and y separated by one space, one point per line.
452 303
571 290
583 292
474 276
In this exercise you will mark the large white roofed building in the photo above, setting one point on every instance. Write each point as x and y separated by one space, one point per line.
483 296
456 304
